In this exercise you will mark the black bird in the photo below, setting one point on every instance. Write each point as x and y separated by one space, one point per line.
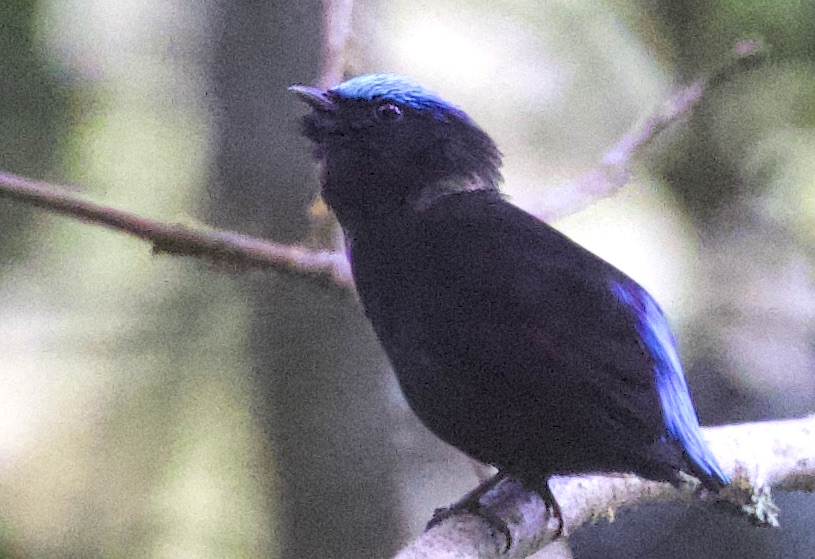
510 341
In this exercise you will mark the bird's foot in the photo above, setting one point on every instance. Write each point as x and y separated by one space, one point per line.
495 522
471 503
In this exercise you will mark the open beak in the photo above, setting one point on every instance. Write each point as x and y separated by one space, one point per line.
315 97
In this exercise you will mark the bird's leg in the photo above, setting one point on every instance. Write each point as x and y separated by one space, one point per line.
471 502
473 498
551 505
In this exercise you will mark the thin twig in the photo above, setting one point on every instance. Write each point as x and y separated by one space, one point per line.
613 173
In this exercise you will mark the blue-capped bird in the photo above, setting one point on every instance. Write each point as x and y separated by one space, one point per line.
510 341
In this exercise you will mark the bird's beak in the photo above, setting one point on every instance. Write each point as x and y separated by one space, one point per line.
315 97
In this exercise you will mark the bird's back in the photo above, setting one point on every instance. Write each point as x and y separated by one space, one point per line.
510 341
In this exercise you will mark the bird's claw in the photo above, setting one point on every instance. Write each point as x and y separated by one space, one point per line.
495 522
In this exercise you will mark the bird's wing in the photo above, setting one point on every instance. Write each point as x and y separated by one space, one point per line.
549 318
674 395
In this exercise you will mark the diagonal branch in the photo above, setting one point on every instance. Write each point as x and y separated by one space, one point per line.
180 239
613 173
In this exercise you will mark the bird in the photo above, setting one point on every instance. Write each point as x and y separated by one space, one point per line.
510 341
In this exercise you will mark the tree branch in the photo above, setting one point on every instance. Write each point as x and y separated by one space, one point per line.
180 239
758 456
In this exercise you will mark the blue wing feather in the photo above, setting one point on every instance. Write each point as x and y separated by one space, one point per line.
674 395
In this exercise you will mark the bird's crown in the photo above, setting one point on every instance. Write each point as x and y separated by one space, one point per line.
400 90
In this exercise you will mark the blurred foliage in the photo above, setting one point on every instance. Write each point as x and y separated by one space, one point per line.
34 114
126 410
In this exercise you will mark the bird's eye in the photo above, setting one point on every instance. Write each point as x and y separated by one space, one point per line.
389 112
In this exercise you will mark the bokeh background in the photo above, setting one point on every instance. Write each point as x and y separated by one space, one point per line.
161 407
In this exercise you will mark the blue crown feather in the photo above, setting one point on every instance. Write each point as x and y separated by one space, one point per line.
401 90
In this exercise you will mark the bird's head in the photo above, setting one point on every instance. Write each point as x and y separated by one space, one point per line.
389 145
